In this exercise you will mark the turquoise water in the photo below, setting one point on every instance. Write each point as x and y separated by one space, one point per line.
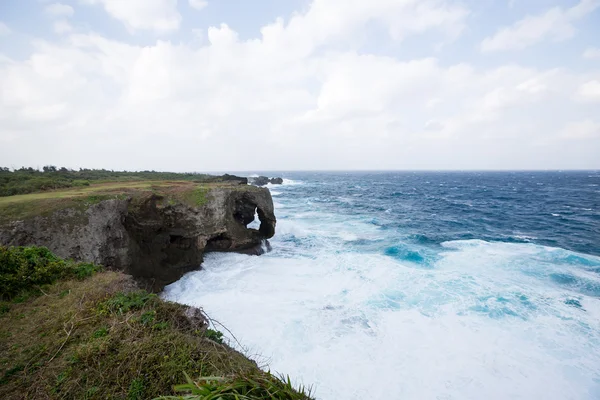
421 285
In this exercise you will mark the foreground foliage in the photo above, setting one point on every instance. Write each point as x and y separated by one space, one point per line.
249 387
99 336
27 269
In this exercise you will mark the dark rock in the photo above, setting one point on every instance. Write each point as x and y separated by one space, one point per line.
263 180
155 243
259 180
235 179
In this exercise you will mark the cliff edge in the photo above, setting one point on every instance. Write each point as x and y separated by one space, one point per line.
154 231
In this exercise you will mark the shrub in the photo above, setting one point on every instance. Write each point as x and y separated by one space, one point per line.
25 269
80 182
214 335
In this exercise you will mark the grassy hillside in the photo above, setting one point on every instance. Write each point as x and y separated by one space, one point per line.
72 331
44 203
30 180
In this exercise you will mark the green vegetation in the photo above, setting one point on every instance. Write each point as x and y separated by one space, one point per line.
95 335
196 197
45 203
215 336
264 386
27 269
30 180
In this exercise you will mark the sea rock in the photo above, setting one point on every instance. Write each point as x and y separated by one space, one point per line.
233 179
155 241
259 180
263 180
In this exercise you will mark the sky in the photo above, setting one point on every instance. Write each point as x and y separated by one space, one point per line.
236 85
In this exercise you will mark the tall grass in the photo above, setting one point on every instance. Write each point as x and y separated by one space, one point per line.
246 387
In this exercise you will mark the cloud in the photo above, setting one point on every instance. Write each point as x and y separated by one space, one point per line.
304 94
592 53
62 26
198 4
555 24
160 16
590 91
4 29
581 130
59 10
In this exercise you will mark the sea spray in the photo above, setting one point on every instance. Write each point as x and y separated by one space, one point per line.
428 300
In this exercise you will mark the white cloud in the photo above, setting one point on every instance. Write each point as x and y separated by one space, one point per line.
303 95
592 53
59 10
198 4
160 16
62 26
4 29
590 91
582 130
555 24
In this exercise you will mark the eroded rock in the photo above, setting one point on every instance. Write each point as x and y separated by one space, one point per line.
264 180
155 242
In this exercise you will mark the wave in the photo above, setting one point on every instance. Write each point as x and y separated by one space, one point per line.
352 293
513 303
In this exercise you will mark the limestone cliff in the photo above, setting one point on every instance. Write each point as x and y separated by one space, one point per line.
152 237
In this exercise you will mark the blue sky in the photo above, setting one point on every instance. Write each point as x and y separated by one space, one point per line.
300 84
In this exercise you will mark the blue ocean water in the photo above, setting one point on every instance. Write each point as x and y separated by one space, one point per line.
419 285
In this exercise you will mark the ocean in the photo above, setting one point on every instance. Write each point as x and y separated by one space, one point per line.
420 285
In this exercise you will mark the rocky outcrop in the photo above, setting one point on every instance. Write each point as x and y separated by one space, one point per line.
227 178
153 240
263 180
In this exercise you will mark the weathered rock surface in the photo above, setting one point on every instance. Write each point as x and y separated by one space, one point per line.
264 180
155 242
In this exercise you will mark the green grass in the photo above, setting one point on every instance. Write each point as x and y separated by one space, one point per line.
196 197
46 203
29 180
247 387
101 337
83 192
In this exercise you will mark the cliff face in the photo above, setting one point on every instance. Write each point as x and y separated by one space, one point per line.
154 239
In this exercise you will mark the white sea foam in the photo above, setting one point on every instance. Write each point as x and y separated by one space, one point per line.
486 322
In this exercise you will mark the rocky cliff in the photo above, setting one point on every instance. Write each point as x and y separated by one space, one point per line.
154 236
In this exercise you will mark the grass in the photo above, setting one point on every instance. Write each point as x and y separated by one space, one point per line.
248 387
30 180
45 203
81 192
102 338
79 199
196 197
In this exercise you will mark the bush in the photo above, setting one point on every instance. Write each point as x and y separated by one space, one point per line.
215 336
80 182
25 269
